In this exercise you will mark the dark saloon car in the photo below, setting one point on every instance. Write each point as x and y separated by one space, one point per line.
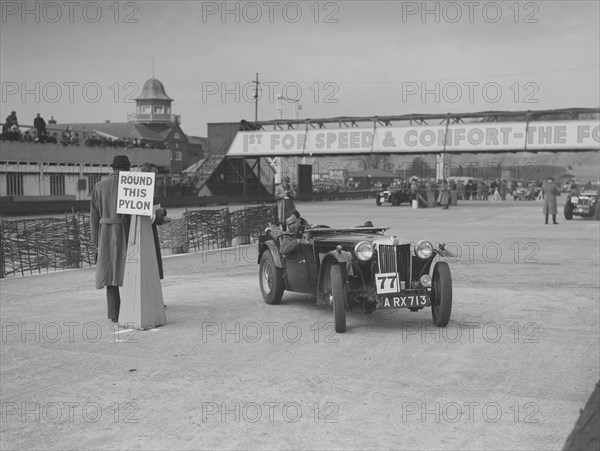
358 267
394 197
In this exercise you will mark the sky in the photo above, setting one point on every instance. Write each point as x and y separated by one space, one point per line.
84 61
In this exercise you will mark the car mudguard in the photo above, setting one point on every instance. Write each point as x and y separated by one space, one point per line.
272 247
334 257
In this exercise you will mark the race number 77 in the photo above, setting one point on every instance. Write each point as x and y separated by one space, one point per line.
387 282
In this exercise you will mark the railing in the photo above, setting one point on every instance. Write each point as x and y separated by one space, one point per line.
153 117
29 246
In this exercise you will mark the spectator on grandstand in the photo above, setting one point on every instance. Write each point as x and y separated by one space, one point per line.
65 137
40 125
13 134
11 120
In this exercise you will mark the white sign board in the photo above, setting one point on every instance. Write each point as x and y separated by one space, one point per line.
474 137
136 193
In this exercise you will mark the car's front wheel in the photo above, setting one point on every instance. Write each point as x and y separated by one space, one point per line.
271 279
568 210
441 304
378 201
338 291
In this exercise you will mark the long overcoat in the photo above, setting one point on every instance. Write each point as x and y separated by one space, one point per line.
550 191
109 231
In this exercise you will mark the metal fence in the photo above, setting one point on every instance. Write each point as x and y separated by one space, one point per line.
29 246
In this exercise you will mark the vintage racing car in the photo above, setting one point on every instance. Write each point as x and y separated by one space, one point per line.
394 197
583 204
358 267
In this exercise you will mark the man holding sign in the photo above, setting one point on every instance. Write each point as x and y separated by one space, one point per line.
109 231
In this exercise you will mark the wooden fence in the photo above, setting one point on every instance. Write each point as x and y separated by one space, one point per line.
29 246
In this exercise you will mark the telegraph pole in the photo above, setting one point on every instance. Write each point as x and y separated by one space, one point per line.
256 99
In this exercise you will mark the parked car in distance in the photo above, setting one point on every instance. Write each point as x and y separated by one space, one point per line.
583 203
394 196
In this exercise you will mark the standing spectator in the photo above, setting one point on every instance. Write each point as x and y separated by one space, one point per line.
550 191
503 189
460 190
109 232
469 190
480 189
40 125
158 219
413 189
284 194
445 195
11 120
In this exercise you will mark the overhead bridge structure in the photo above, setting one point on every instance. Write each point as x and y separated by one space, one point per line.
247 154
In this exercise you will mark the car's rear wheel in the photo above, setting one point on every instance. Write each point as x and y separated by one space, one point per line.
378 201
395 200
338 291
568 210
441 304
271 279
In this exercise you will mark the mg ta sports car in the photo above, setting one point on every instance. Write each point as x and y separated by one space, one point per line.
582 204
358 267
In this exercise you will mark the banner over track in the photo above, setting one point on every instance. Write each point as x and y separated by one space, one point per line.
492 137
568 129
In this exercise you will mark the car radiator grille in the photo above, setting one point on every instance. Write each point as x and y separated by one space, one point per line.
395 259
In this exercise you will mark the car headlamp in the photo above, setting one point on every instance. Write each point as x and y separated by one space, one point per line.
424 249
363 251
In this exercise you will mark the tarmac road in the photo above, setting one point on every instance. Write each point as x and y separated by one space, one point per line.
511 371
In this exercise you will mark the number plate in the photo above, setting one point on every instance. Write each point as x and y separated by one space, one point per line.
405 301
387 282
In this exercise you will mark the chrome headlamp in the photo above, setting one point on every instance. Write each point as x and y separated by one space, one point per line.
425 280
424 249
363 250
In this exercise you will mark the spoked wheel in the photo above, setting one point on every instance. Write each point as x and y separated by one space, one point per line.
441 304
338 291
378 201
395 201
271 279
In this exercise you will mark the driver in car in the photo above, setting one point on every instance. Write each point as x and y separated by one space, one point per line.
291 237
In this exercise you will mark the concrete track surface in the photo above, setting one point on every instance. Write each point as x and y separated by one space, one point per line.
512 370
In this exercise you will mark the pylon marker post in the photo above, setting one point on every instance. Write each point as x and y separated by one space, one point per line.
142 305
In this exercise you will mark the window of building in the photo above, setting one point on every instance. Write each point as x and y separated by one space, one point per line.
158 109
92 180
57 184
14 184
178 156
146 109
